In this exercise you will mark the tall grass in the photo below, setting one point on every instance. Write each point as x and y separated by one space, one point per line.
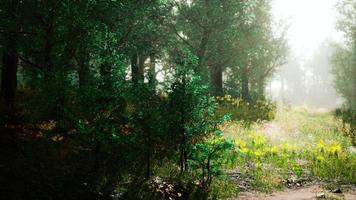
298 142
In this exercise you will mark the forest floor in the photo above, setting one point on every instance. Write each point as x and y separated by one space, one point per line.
303 193
301 129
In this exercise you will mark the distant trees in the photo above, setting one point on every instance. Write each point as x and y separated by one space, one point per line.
320 81
234 42
293 82
344 65
344 57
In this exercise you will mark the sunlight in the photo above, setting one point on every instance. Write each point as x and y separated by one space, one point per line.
310 23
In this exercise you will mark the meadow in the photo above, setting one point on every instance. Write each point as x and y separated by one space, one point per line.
299 147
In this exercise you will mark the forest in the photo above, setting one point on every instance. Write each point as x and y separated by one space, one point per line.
167 99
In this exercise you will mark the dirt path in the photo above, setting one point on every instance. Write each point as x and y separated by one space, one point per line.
307 193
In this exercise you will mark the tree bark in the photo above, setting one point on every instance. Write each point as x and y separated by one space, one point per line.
201 53
152 72
148 155
134 68
261 88
9 73
10 58
141 67
217 76
245 92
137 68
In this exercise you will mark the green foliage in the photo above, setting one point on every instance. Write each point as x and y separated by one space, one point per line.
344 74
269 157
344 62
247 112
206 157
98 113
193 123
348 117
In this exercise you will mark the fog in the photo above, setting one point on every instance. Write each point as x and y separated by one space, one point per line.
305 78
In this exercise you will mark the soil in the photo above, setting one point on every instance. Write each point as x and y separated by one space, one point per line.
306 193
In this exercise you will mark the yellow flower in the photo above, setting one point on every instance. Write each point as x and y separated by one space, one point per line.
244 150
321 145
274 150
257 139
227 97
334 148
240 143
48 126
57 138
235 102
288 147
258 165
320 158
259 153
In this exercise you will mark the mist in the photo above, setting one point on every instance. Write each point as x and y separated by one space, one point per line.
307 81
306 78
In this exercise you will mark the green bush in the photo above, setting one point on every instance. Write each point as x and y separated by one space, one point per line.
248 112
348 117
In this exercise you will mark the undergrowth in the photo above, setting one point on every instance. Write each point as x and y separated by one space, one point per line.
298 143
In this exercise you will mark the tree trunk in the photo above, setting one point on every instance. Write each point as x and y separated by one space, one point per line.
217 76
281 93
9 73
105 70
181 160
261 88
148 156
141 67
152 72
245 92
203 46
137 68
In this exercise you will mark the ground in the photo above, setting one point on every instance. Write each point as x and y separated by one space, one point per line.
305 131
304 193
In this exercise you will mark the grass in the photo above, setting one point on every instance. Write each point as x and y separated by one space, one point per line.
299 142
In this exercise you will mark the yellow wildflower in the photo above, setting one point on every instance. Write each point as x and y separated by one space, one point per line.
257 139
320 158
258 165
259 153
288 147
244 150
57 138
240 143
334 148
321 145
274 150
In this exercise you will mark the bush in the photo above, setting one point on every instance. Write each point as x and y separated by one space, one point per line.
248 112
195 127
348 117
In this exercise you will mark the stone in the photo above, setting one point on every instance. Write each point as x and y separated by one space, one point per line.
320 195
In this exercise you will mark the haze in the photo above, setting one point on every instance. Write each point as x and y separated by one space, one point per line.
311 27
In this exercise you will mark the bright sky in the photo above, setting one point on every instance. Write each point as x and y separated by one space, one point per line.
310 23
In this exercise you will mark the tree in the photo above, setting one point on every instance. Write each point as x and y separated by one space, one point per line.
208 28
9 37
344 57
258 51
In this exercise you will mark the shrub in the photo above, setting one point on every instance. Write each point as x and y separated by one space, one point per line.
348 117
248 112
